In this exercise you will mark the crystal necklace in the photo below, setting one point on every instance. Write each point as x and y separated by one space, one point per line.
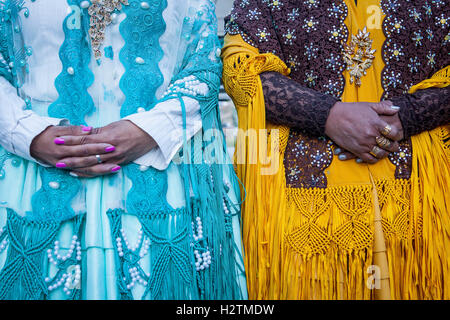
101 13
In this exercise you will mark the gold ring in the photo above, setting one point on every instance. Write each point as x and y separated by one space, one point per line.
383 142
376 152
386 130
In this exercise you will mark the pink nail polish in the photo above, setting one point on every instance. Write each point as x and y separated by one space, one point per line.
115 169
86 129
110 149
59 141
61 165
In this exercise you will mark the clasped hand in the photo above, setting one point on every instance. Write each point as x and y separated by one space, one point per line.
90 152
366 131
358 129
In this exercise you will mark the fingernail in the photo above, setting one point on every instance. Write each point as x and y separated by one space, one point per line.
396 108
110 149
337 151
86 129
59 141
61 165
73 174
342 157
359 160
115 169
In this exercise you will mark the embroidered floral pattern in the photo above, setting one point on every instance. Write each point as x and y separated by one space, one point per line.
305 161
415 46
402 160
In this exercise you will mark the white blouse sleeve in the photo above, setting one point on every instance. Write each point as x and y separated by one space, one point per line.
164 124
18 127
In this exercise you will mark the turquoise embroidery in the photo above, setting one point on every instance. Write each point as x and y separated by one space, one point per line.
141 54
74 102
52 201
148 192
13 52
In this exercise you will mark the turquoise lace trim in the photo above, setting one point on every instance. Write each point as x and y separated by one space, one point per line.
141 54
13 53
53 201
148 191
74 101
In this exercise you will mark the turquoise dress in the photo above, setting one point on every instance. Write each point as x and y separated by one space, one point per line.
144 233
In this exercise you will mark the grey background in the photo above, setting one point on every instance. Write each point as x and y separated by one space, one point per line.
223 8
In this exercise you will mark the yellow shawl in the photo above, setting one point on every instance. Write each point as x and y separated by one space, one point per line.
323 243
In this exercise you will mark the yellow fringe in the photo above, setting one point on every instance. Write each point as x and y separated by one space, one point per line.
439 80
317 243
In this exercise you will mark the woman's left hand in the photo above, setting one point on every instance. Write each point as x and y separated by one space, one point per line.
130 143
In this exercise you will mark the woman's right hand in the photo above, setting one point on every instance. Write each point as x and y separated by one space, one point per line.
49 148
354 127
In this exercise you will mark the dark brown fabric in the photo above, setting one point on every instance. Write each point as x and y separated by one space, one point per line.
402 160
417 43
305 161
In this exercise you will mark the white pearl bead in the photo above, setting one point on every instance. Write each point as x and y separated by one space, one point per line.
143 168
54 185
145 5
114 18
85 4
140 110
139 60
70 71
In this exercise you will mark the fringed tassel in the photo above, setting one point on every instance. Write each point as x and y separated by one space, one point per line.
431 189
415 217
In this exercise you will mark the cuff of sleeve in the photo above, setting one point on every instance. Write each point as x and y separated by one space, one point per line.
26 130
165 127
163 132
405 114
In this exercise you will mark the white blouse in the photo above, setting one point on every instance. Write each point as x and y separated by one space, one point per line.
43 31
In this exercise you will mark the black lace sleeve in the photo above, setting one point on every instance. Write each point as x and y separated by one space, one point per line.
290 104
424 110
